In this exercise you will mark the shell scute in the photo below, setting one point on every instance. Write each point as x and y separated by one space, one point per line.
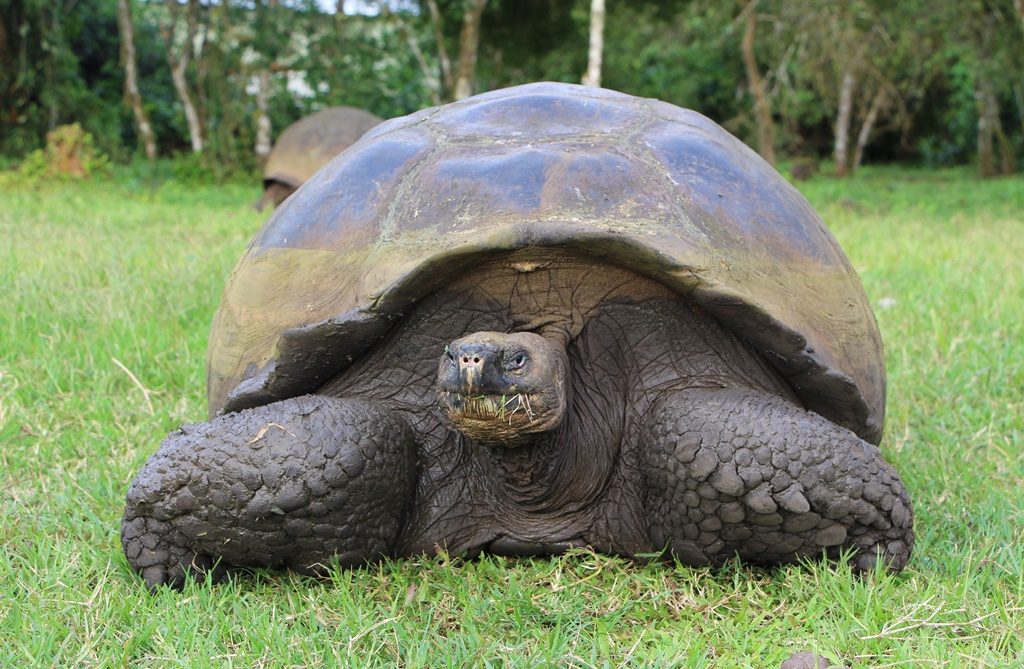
497 120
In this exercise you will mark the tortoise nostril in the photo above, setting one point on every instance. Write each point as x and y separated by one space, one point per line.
474 356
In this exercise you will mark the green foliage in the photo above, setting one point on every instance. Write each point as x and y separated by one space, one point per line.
532 40
957 120
199 169
110 271
363 62
70 153
60 66
59 63
687 57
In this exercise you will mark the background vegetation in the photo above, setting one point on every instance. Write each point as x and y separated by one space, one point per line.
938 83
109 286
109 289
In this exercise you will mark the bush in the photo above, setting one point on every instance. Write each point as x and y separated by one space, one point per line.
70 153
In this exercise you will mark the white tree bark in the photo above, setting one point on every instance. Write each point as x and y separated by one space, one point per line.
986 154
469 43
263 124
263 127
841 152
179 65
867 126
442 50
593 74
429 75
131 78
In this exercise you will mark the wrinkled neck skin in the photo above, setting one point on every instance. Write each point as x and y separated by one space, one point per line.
621 341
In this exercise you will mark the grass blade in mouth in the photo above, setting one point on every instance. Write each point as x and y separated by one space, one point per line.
502 407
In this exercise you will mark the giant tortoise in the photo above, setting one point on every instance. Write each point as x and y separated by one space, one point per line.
307 145
539 318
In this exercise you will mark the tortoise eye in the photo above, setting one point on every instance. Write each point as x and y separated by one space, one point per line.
518 361
448 353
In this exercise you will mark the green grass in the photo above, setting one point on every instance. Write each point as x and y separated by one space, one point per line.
106 294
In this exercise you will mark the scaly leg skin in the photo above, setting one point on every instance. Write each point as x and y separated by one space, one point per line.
735 472
298 483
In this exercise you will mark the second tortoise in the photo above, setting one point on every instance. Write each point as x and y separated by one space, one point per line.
307 145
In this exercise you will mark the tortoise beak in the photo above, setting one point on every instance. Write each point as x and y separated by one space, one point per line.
477 365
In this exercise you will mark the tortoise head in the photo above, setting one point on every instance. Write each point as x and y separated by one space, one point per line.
498 389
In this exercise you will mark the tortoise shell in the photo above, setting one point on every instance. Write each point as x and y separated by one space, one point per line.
660 190
311 142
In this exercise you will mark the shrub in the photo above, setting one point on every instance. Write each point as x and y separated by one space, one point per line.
70 153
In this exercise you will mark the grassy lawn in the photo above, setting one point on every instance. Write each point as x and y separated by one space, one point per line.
106 294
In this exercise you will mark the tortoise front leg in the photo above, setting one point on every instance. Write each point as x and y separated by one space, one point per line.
735 472
298 483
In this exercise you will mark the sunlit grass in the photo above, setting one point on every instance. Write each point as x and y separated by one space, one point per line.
107 293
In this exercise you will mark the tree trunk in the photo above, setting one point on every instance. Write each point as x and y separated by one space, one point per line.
1007 161
469 42
131 81
263 127
986 155
442 50
429 76
762 109
593 75
865 129
339 17
841 151
179 65
195 132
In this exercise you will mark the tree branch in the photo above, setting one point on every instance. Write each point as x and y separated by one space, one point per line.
442 50
469 43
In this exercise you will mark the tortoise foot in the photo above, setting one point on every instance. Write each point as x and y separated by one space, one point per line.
734 472
304 483
163 556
